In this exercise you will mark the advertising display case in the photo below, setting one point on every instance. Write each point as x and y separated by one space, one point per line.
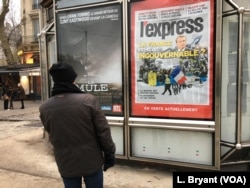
94 36
92 44
172 81
172 59
172 77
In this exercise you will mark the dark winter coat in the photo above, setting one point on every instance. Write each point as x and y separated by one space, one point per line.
78 131
6 91
21 93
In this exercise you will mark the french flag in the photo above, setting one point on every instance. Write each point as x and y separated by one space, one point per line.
178 75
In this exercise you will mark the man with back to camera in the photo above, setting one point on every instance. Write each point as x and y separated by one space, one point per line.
78 130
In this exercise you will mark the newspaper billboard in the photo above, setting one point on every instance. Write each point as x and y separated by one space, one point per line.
172 59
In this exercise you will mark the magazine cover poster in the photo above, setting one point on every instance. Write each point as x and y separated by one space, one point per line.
90 40
172 59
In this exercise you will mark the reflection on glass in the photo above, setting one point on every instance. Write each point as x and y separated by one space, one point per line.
246 80
239 3
90 40
229 78
242 3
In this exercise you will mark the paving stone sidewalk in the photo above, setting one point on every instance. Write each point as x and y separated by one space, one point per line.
27 158
30 112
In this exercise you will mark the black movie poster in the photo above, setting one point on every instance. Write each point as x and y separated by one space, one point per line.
90 40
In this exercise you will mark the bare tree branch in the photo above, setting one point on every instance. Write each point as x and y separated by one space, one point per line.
6 33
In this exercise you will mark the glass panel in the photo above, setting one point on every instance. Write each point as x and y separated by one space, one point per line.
91 41
246 80
226 6
51 50
229 78
44 70
118 137
174 145
36 29
70 3
35 4
50 13
242 3
239 3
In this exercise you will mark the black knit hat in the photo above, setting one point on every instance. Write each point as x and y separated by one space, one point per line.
62 72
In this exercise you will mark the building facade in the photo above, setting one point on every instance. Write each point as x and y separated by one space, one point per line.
28 51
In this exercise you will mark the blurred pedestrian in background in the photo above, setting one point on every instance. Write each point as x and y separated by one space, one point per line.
11 97
21 94
5 96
